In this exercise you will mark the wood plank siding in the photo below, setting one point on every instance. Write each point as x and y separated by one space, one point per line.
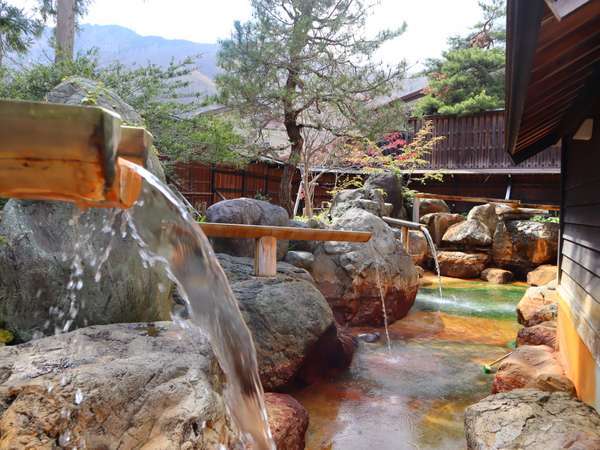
476 143
580 245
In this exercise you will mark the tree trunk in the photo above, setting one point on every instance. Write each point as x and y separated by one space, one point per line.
65 30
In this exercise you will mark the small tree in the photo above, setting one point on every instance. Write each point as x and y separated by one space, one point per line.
306 64
17 30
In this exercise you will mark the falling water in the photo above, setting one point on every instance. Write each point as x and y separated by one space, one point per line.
381 295
435 259
167 234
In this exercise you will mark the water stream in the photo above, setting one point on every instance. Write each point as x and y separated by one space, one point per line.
168 235
415 395
434 255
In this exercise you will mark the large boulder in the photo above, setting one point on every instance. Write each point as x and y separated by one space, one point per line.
122 386
432 205
438 223
539 304
40 246
246 211
532 366
288 421
485 214
290 320
304 260
462 265
391 185
354 276
367 199
542 275
521 246
470 233
533 420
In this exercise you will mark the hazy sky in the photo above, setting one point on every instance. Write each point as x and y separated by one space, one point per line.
430 22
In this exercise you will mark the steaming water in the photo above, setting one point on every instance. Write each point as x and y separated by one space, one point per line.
167 235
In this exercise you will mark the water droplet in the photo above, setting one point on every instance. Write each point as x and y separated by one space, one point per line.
64 438
78 397
50 388
64 381
79 285
70 284
161 287
38 294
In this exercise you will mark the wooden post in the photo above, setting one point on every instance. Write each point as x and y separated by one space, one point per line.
405 238
416 205
265 257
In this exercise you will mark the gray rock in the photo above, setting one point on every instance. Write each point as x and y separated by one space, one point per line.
506 212
304 260
371 200
533 420
292 324
391 185
350 274
497 276
247 211
137 387
470 233
34 276
432 205
485 214
304 246
521 246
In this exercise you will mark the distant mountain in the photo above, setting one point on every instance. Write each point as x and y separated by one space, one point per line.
115 43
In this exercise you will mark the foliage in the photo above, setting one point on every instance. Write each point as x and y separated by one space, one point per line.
3 240
17 29
154 91
546 219
307 65
469 77
410 158
346 182
262 196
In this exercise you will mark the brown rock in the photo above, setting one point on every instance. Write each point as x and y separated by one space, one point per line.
288 421
497 276
541 334
417 247
462 265
533 420
432 205
470 233
543 275
532 366
437 224
520 245
539 304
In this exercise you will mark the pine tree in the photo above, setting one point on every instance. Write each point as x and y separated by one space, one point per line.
306 64
17 30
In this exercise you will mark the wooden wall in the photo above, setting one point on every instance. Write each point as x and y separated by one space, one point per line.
580 243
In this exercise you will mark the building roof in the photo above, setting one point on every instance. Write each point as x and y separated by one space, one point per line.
553 64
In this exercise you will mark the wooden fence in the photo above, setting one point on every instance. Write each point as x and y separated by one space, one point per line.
476 143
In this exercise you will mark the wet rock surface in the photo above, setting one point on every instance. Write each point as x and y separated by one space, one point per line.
497 276
36 259
542 275
418 247
350 274
462 265
485 214
437 224
123 386
539 304
532 419
521 246
532 366
288 421
541 334
470 233
246 211
294 331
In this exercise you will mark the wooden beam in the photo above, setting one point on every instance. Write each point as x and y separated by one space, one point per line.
512 203
228 230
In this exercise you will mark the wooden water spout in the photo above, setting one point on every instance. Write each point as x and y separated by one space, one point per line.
69 153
